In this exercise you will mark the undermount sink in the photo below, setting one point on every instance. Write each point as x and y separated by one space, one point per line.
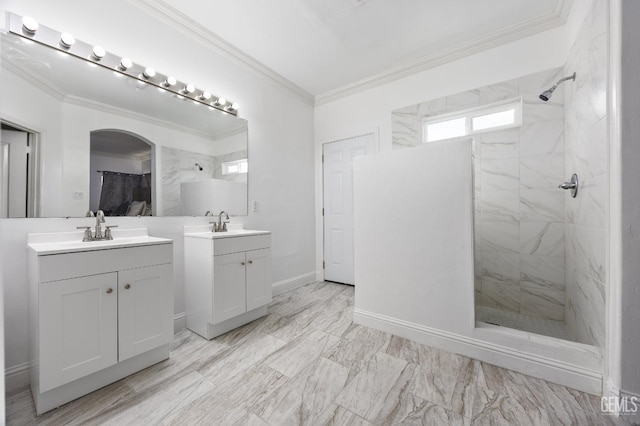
71 242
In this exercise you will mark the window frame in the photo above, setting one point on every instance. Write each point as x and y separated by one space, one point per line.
225 166
471 113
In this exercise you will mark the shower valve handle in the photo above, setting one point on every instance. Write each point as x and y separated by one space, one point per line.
572 185
567 185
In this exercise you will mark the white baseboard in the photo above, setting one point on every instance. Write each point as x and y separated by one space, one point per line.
16 378
292 283
564 373
179 322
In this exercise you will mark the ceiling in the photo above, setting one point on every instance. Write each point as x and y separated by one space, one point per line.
325 47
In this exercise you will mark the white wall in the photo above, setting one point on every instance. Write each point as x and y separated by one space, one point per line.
420 263
280 145
629 151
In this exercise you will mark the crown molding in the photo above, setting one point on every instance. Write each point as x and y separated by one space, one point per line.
489 41
110 109
23 73
196 31
563 7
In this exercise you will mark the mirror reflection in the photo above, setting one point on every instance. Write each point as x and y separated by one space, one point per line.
88 138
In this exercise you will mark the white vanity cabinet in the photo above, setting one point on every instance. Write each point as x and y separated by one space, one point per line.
96 315
227 279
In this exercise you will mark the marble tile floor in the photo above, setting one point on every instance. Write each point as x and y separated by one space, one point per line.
545 327
307 363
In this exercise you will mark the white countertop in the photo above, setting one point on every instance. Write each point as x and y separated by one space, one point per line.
71 242
204 231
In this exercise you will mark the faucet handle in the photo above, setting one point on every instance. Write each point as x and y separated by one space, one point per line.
214 227
107 231
87 232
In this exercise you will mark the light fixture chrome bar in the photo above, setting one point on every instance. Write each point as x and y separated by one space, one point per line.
29 29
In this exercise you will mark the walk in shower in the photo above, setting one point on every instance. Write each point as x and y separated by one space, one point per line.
539 252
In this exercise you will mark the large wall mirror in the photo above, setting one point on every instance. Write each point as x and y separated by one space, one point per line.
79 137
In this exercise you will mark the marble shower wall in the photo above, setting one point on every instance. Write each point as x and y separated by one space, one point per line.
179 166
587 149
519 210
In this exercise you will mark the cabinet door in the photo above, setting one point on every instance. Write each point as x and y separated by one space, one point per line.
145 311
228 286
78 328
258 278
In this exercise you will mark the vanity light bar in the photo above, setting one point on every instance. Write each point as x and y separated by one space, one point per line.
28 28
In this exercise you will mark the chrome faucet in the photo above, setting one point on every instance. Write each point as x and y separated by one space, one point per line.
99 220
97 235
220 226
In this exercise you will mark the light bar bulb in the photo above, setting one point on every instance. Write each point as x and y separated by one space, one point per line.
125 64
29 24
67 40
149 73
169 81
221 101
188 89
98 53
204 96
235 106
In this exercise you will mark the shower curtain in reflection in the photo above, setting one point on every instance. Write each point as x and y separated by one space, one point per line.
119 190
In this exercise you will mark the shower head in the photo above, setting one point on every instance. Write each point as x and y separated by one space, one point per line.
546 95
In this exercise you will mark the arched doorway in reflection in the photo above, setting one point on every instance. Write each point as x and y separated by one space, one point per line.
121 181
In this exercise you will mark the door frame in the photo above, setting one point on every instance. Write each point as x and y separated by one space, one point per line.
33 168
376 148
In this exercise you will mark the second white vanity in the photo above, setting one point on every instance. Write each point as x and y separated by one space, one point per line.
99 311
227 278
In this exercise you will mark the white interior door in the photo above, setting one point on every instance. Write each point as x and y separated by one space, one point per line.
338 205
14 173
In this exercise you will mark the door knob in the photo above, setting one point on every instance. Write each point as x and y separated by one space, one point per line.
242 263
109 290
250 262
127 286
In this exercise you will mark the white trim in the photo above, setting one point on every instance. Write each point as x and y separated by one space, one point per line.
16 378
565 373
198 32
469 114
613 308
293 283
132 115
193 29
563 7
33 79
506 35
179 322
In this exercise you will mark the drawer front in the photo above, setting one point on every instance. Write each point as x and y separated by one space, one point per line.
62 266
240 244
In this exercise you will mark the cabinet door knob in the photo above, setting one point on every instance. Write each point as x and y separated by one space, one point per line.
250 262
109 290
242 263
127 286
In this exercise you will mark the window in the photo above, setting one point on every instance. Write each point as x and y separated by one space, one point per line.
235 167
502 115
